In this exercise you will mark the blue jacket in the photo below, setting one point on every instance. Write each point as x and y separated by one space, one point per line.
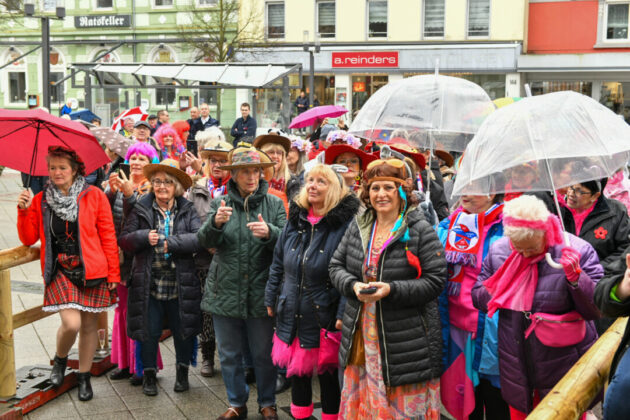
299 286
486 360
197 125
243 128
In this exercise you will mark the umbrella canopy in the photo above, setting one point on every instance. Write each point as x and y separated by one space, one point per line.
137 113
25 137
318 113
445 110
501 102
84 115
569 138
114 141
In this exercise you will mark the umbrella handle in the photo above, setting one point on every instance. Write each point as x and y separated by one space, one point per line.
550 260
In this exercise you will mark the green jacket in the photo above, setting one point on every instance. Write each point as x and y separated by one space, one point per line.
236 281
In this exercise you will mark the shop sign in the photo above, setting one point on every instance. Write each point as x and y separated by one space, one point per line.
365 59
102 21
358 87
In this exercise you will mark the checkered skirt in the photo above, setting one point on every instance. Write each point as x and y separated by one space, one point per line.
61 293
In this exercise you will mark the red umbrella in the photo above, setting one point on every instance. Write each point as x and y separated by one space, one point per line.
25 137
318 113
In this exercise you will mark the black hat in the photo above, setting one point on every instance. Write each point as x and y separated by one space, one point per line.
152 117
142 123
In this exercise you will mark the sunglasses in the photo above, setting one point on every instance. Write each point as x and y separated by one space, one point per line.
396 163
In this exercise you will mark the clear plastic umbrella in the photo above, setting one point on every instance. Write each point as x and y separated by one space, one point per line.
569 137
446 111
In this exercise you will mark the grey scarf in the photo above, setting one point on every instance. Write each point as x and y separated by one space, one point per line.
65 206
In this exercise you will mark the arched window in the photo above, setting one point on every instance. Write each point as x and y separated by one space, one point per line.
208 96
57 72
14 76
163 54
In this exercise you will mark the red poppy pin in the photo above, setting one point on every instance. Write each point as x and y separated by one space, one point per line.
600 233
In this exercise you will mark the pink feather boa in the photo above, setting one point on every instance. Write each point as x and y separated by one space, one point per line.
297 360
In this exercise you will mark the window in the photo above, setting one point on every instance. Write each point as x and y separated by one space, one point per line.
377 19
433 18
49 5
208 96
17 86
326 19
617 25
166 95
163 2
56 92
104 4
275 20
205 3
478 17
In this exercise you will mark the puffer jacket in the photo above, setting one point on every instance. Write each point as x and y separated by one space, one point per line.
182 244
235 286
299 287
408 320
97 237
527 364
606 228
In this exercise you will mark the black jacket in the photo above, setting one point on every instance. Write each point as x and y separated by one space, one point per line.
408 320
611 308
299 287
438 198
302 101
606 228
182 244
197 125
242 128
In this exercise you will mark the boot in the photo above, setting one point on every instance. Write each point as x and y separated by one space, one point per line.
85 388
207 362
181 381
118 374
58 372
149 382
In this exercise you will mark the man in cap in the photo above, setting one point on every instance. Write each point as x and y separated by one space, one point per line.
141 133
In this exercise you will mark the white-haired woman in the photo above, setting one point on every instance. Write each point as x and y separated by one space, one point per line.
194 164
161 233
299 291
545 313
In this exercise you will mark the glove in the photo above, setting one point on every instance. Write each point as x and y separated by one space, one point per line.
570 261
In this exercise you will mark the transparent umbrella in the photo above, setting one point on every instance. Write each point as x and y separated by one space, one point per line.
445 111
569 137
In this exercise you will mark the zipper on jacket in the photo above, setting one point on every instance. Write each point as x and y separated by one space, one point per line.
310 241
356 318
380 307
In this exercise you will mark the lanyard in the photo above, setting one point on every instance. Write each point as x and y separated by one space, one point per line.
167 228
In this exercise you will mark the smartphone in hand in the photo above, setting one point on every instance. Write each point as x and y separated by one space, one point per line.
191 146
126 169
368 290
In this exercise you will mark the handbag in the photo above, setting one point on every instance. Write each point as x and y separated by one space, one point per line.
329 343
555 330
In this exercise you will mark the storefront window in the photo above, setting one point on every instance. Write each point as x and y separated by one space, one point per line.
540 88
363 87
611 95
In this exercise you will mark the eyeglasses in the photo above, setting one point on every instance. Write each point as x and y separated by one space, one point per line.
160 182
578 191
218 162
396 163
348 162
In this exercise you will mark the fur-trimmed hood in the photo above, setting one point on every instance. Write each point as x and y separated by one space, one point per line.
335 218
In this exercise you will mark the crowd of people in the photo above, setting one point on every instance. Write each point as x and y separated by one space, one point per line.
292 257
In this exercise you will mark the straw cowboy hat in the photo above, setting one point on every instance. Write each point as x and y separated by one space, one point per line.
217 148
246 157
171 167
273 138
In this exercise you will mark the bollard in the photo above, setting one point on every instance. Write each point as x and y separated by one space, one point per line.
7 353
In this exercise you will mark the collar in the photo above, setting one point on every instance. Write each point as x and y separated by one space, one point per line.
172 209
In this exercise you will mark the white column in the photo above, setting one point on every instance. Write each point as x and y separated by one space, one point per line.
513 85
242 95
597 90
343 84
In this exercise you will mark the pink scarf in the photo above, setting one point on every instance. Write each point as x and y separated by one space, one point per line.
313 220
514 283
580 217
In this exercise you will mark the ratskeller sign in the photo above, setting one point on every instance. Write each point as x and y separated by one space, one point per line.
102 21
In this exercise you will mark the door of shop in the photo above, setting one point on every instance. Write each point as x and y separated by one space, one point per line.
363 87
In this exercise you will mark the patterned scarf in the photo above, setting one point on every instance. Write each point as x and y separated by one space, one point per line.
65 206
277 184
217 187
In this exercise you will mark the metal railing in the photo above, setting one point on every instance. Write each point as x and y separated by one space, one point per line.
574 393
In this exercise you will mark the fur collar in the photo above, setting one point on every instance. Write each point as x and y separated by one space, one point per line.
337 217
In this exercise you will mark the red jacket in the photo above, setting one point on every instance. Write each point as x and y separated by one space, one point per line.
97 236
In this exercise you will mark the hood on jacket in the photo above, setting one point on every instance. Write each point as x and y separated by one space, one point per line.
345 210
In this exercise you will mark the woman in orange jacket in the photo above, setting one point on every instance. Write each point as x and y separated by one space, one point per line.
79 257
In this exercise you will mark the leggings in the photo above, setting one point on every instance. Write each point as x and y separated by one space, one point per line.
302 391
488 399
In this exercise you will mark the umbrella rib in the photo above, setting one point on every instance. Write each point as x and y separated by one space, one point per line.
28 124
59 138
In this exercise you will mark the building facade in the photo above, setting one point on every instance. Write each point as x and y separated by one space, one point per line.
362 45
581 45
149 31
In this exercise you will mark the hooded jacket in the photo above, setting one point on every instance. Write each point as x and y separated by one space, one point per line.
408 321
527 364
299 287
235 286
182 244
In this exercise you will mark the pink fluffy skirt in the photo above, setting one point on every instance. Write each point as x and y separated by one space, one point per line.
298 361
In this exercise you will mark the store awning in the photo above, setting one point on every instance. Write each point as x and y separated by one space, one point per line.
245 75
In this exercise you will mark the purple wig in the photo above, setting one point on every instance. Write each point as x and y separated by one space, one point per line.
144 149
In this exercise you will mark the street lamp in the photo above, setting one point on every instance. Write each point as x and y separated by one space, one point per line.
60 13
311 48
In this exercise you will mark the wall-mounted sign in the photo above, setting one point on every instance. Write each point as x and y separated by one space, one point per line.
102 21
365 59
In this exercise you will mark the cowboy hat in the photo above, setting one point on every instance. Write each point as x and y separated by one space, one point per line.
246 157
216 147
171 167
270 171
273 138
337 149
418 158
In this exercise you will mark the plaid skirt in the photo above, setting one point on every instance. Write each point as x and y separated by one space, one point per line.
61 293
